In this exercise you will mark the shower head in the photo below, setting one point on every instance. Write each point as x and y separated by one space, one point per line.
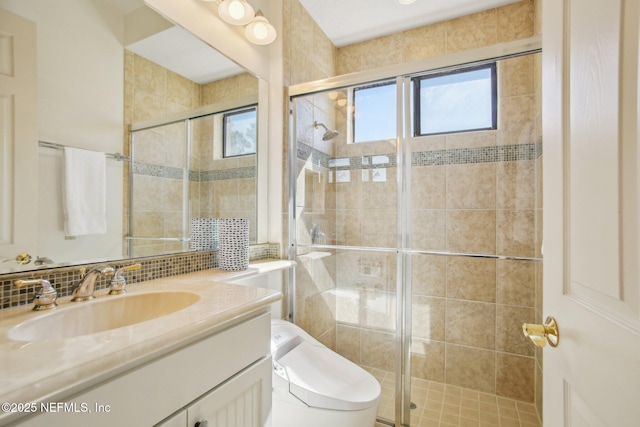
328 134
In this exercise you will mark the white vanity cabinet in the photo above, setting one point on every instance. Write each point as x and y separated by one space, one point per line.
223 378
239 402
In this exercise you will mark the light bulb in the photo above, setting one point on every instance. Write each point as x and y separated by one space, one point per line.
260 31
236 10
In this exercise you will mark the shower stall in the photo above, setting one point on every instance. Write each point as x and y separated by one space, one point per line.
415 220
188 169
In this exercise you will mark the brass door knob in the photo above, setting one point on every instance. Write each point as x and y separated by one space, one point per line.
543 334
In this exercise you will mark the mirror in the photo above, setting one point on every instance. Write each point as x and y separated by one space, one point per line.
104 65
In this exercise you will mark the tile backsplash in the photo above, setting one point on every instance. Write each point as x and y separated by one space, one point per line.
64 279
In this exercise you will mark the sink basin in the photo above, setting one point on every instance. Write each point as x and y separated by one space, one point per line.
105 314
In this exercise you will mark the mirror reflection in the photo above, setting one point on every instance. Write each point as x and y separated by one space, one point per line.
104 66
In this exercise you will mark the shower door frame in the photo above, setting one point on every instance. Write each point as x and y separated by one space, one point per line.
402 73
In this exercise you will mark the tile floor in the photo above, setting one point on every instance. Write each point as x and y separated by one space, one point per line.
441 405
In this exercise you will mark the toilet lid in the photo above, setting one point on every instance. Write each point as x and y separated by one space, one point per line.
322 378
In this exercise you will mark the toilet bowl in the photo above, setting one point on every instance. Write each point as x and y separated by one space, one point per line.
315 387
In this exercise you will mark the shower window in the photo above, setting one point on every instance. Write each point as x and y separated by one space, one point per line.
456 101
374 112
239 132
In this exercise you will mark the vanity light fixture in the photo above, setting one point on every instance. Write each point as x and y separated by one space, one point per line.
235 12
260 30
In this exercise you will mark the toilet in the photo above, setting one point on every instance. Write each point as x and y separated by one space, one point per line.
315 387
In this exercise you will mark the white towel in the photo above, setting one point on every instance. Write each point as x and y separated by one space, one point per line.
84 192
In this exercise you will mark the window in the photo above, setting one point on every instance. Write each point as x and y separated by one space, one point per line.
458 101
374 117
239 132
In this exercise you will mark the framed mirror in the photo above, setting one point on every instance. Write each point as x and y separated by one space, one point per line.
103 65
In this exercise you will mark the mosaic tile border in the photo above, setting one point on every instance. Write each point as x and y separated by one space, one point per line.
195 176
64 279
455 156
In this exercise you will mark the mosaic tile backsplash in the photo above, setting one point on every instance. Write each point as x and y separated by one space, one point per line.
455 156
64 279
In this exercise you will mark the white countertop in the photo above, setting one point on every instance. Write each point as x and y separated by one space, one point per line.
53 370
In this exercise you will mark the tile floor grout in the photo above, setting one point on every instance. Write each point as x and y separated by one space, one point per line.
443 405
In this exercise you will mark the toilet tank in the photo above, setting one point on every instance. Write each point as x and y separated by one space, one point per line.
275 280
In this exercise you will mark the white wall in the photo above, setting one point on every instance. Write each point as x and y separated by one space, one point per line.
80 103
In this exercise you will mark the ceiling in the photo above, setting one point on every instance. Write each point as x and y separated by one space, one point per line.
350 21
343 21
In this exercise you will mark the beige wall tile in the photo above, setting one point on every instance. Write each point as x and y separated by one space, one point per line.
349 59
324 52
470 323
225 195
424 42
149 77
380 192
180 92
147 192
378 228
429 229
428 187
516 184
381 51
428 317
348 342
471 231
349 194
427 359
515 377
471 279
377 270
380 349
429 275
516 282
509 336
516 232
347 273
471 186
348 230
471 31
470 368
516 20
172 195
517 120
517 76
471 139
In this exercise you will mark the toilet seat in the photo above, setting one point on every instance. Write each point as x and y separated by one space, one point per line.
322 378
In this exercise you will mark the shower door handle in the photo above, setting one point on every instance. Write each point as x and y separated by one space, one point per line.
540 335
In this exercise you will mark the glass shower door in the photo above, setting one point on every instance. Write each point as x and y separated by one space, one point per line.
346 188
159 190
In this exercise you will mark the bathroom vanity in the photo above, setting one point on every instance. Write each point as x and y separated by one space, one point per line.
206 361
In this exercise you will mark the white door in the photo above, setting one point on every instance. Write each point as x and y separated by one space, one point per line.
591 213
18 136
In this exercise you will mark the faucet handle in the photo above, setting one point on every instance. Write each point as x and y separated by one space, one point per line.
118 282
45 298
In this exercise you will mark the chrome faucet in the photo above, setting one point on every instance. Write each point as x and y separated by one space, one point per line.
87 286
45 298
118 282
